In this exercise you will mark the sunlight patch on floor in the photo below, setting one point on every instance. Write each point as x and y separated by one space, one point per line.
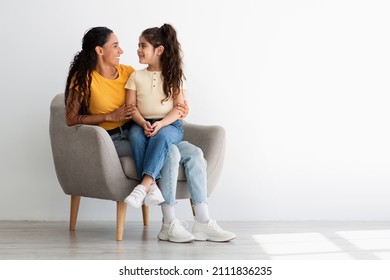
295 243
368 239
383 255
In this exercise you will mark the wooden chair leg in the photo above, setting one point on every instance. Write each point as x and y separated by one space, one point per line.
121 208
192 207
74 210
145 214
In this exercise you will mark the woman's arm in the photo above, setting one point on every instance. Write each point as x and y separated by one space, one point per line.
183 109
73 116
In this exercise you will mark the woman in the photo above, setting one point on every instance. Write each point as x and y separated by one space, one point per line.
95 95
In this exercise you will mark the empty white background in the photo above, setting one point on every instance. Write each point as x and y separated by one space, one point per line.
301 87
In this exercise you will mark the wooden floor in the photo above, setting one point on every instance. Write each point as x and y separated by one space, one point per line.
255 240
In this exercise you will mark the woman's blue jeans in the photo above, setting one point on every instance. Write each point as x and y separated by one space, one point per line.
149 153
194 167
183 153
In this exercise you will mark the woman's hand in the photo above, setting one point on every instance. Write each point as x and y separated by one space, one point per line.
183 109
122 113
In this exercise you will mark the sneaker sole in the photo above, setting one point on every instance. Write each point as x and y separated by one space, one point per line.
176 241
153 202
203 237
181 241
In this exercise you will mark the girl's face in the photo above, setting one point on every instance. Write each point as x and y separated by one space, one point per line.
111 51
147 54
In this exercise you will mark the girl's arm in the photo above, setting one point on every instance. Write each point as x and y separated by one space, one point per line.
131 100
73 116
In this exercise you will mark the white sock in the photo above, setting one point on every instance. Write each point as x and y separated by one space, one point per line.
202 213
168 212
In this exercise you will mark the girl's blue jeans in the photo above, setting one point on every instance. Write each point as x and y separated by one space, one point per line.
149 153
183 153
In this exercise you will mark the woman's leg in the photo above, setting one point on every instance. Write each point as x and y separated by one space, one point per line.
121 143
195 170
196 174
169 175
172 229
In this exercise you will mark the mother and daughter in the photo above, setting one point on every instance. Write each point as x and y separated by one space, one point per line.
100 91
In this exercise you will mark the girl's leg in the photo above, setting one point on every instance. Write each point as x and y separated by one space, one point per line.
138 143
158 148
155 156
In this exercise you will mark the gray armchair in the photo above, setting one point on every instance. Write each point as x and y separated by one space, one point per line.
87 164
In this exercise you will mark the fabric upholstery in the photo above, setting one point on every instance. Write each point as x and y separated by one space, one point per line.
87 164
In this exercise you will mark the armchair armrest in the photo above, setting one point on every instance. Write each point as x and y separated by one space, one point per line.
85 158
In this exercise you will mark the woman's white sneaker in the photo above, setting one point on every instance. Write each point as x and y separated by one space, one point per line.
175 232
211 231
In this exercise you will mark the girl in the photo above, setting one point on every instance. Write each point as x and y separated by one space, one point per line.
156 91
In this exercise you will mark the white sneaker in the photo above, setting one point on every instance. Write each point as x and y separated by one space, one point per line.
211 231
175 232
137 197
154 196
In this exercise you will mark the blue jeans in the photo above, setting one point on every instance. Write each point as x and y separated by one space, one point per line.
149 153
185 153
121 143
194 167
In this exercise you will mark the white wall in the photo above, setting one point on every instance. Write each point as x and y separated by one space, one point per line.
302 88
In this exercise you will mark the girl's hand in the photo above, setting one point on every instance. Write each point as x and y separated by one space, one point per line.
147 128
156 126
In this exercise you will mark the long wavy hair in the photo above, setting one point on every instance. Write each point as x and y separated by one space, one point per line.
171 58
78 83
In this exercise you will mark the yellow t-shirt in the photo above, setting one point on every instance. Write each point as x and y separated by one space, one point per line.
150 93
108 95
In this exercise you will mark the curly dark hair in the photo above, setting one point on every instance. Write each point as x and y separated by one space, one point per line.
80 70
171 58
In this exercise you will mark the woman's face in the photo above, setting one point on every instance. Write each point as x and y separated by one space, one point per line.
147 54
111 51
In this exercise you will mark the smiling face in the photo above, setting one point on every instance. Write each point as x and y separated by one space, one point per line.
111 51
147 54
